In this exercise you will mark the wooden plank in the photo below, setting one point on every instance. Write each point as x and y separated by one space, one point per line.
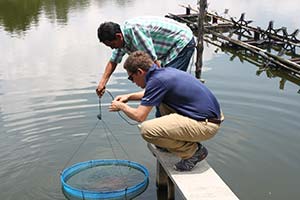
200 183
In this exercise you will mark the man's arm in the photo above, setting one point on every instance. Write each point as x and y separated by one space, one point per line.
109 69
130 97
139 114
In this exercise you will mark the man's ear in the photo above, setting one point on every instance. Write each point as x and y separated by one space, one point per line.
141 71
119 36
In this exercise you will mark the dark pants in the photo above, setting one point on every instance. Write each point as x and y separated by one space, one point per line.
181 61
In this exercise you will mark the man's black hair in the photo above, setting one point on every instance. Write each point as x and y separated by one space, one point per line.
107 31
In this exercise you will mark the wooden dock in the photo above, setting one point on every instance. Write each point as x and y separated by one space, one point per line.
200 183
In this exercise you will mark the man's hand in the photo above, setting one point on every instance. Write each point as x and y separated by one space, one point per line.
157 62
100 90
109 69
116 106
122 98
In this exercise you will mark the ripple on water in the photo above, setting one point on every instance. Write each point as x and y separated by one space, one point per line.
259 136
37 127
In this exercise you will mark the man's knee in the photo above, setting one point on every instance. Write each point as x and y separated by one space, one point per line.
145 131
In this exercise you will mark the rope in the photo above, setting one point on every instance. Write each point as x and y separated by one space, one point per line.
99 116
128 122
107 130
79 146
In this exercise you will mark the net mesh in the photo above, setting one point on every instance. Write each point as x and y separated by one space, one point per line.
104 179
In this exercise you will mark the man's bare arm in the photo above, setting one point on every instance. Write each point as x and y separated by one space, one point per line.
109 69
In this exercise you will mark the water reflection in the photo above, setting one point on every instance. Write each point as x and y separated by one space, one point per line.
17 16
263 67
284 76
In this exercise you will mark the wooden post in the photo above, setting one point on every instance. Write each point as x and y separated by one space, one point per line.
201 17
163 182
161 176
256 36
171 190
187 10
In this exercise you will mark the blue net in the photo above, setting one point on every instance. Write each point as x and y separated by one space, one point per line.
104 179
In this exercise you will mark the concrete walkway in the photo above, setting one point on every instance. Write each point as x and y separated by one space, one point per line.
200 183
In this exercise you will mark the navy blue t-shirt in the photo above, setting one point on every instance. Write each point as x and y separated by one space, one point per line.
181 91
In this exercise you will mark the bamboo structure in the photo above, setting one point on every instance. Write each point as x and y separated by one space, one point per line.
275 47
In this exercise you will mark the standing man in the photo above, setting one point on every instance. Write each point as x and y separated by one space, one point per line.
190 112
169 43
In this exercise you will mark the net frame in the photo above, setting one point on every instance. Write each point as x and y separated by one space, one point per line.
126 193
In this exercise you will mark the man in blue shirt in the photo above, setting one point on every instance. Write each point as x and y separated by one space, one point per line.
190 112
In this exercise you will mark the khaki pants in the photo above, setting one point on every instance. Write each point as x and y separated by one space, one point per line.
177 133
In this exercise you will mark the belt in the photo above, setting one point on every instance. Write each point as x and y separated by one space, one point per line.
214 120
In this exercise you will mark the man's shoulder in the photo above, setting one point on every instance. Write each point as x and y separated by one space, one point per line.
173 70
167 74
146 20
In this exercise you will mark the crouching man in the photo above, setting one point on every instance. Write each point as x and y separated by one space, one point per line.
190 112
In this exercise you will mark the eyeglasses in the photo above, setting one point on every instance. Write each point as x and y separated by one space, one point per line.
130 77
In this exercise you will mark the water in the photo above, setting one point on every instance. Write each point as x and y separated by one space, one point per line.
51 62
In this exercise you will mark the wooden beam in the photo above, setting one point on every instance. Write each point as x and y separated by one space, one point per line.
200 47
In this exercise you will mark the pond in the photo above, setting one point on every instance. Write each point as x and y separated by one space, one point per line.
51 62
